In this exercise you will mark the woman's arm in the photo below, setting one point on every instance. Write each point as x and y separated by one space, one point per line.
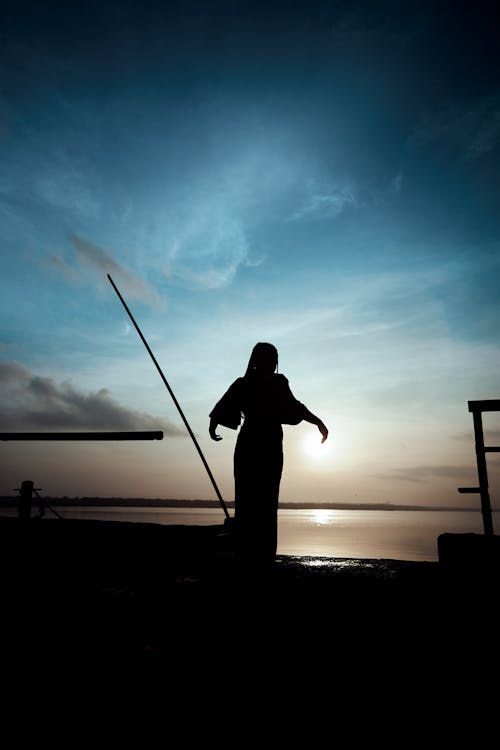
227 411
313 419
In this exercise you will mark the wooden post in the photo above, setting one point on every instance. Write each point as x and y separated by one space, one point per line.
482 473
477 408
25 500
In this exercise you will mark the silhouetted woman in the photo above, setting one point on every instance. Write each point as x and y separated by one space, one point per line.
264 399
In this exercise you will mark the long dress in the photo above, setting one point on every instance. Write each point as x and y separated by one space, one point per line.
264 402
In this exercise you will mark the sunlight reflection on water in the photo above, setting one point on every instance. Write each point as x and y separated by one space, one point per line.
322 517
319 532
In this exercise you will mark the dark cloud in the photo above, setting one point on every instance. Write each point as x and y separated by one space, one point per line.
491 437
425 473
30 403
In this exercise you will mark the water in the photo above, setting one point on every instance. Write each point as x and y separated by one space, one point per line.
378 534
363 534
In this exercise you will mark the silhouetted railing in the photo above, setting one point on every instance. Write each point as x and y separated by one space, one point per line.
27 488
141 435
477 408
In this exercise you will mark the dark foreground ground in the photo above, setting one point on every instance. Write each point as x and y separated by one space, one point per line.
97 604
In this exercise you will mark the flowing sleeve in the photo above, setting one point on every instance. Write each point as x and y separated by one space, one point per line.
292 411
227 411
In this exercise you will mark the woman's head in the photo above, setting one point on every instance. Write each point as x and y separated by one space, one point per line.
263 359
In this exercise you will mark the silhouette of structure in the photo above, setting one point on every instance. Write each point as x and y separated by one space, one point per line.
138 435
186 423
26 492
27 488
477 408
25 500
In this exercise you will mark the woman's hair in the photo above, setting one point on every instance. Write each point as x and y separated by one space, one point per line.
263 355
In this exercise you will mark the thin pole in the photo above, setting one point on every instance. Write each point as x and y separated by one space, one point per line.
482 473
224 508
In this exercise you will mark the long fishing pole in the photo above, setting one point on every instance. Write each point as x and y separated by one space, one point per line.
224 507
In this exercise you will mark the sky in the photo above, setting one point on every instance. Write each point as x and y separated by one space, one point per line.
320 175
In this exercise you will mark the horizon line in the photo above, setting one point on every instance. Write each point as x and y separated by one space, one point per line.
118 501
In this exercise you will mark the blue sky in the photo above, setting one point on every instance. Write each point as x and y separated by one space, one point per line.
324 177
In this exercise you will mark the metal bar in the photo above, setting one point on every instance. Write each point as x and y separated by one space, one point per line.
482 473
224 508
141 435
492 404
466 490
492 449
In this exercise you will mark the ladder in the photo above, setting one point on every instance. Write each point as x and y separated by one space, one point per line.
477 408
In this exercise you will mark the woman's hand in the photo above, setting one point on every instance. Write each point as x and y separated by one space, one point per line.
313 419
324 432
213 434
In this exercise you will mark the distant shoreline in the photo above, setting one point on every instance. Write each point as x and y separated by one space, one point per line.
135 502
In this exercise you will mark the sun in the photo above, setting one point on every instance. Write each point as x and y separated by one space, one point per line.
313 447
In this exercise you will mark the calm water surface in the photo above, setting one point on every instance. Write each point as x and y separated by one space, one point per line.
379 534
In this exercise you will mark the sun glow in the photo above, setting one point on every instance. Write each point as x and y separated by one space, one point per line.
313 446
322 517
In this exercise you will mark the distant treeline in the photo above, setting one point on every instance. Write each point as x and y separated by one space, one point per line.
141 502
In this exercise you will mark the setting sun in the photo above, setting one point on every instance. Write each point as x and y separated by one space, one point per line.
313 446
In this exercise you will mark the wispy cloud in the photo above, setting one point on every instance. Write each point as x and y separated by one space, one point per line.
475 130
30 402
424 473
63 187
491 437
397 183
208 251
324 205
92 258
60 267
